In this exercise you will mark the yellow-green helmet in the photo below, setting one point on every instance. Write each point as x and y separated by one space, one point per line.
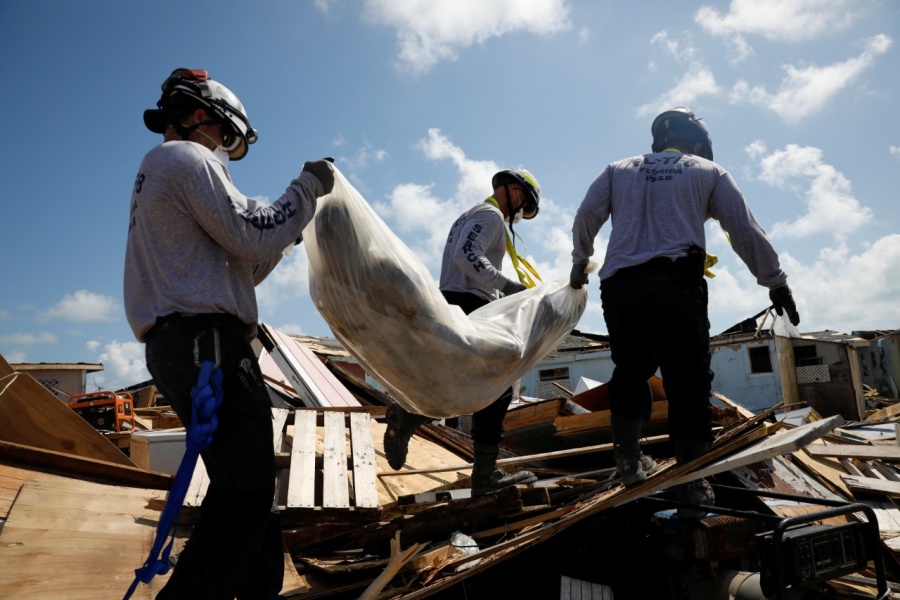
527 181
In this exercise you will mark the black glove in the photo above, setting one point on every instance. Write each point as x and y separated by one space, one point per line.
323 171
783 300
512 287
578 278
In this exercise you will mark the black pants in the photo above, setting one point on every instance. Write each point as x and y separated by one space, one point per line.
656 315
235 549
487 423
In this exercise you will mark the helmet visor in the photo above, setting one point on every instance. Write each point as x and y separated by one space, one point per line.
530 209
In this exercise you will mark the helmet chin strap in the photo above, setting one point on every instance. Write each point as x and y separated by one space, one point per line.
209 137
185 132
512 210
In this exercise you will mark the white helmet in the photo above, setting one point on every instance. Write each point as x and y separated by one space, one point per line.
186 90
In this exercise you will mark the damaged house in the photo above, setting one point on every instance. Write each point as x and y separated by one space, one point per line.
756 369
354 528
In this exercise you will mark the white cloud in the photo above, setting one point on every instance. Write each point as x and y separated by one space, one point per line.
291 328
123 365
28 339
831 207
895 151
429 31
15 357
775 20
805 90
846 292
839 290
289 281
324 5
363 157
681 50
84 306
696 82
584 34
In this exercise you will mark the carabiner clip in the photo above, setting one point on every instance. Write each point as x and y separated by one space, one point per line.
216 353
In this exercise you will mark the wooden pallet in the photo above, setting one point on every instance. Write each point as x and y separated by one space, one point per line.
338 483
311 482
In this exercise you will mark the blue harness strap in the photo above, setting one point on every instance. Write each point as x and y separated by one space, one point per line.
206 399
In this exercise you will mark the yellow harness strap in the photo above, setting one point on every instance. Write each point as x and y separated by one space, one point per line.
711 260
523 268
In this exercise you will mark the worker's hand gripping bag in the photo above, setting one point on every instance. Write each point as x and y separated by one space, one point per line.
383 305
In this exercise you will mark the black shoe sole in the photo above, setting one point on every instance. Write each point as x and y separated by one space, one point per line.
400 428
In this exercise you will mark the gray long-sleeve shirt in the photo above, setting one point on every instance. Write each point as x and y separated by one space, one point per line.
474 253
658 204
196 244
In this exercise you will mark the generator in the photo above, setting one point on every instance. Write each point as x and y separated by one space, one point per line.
105 410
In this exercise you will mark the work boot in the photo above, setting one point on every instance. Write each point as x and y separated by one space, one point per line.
633 466
400 428
487 477
693 492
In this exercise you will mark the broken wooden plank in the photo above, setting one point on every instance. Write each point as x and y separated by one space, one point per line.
597 398
196 491
783 442
532 413
302 475
872 485
881 452
335 493
884 413
575 424
885 471
365 491
79 466
824 470
526 458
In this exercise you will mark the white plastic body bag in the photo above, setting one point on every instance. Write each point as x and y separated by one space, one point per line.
383 305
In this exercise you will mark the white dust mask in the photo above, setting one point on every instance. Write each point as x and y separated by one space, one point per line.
222 154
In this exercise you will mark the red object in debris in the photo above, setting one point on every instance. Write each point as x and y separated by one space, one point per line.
105 410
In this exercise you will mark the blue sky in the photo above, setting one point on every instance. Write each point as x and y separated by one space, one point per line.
420 102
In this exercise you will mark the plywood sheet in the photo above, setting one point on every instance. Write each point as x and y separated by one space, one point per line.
32 416
66 538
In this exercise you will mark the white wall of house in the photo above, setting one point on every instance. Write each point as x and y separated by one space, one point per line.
744 380
734 375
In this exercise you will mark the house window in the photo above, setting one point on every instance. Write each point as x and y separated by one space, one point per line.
805 356
51 384
760 359
553 383
553 374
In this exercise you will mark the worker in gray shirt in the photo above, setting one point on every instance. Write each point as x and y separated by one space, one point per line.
653 289
470 279
196 249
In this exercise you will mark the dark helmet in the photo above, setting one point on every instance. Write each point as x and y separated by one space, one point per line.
680 125
186 90
527 181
